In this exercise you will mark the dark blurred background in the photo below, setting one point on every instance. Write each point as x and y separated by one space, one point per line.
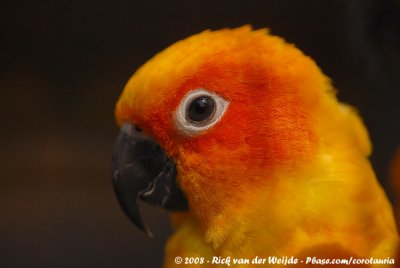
63 65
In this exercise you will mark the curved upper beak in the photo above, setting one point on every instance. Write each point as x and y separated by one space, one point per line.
142 170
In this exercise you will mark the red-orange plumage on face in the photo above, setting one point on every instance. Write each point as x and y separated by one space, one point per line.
280 149
267 124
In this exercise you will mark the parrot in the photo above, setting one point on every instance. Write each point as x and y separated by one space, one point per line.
241 137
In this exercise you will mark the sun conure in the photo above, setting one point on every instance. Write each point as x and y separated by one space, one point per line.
240 135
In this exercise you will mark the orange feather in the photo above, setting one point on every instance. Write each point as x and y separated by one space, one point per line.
284 172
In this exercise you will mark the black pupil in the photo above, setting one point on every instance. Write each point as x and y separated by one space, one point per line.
201 109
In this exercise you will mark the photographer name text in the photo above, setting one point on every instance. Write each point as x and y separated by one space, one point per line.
285 261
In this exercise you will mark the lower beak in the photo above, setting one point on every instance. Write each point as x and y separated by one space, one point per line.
142 170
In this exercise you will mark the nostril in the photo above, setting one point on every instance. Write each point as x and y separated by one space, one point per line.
138 129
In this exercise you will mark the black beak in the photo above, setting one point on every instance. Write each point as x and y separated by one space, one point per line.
141 169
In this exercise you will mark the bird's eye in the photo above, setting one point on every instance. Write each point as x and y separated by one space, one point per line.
198 111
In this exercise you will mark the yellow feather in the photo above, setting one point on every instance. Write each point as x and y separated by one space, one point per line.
318 196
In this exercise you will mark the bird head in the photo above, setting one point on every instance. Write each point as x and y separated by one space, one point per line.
212 118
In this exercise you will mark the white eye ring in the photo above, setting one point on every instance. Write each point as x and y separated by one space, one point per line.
190 127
